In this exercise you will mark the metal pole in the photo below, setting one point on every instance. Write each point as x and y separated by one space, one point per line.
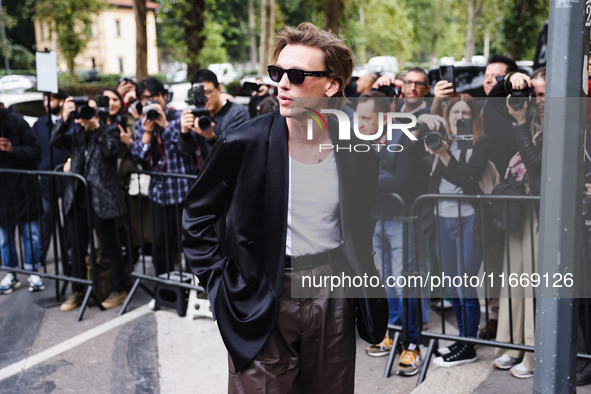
562 185
4 41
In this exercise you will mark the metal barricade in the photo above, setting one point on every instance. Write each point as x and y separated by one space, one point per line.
158 239
24 212
482 203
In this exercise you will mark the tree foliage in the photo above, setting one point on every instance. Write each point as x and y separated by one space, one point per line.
71 21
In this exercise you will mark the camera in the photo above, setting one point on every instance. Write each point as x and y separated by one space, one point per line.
433 139
252 87
137 105
518 97
150 110
83 110
121 120
389 90
198 99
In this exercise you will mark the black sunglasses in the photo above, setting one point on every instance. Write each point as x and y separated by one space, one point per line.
295 75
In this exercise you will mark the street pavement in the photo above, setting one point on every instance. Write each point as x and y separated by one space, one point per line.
44 350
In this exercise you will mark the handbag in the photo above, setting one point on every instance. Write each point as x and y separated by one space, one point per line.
509 219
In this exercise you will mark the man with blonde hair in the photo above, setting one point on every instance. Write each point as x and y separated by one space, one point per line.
278 343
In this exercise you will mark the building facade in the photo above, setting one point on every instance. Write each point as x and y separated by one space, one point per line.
112 47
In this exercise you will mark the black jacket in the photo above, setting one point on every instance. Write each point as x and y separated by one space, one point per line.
19 195
465 175
94 156
531 155
246 178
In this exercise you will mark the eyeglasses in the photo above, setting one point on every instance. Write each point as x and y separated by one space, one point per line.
144 98
295 75
416 83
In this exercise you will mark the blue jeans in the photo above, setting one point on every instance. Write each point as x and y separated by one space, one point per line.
464 299
388 247
29 232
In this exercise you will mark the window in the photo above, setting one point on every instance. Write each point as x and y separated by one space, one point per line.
118 27
121 65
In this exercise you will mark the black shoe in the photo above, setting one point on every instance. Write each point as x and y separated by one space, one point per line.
584 374
463 355
442 351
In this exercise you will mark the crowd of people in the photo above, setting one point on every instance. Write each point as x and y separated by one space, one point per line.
131 127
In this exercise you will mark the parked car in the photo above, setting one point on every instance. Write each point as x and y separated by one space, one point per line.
17 83
29 105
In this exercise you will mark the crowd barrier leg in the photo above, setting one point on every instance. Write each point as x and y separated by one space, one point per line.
427 360
392 355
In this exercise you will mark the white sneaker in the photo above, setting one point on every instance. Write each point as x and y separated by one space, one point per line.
519 371
504 362
35 283
9 283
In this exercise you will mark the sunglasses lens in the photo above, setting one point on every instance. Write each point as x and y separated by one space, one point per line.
275 73
296 76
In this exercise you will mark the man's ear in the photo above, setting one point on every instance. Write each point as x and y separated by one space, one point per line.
332 87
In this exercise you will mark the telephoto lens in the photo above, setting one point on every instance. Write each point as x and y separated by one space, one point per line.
434 140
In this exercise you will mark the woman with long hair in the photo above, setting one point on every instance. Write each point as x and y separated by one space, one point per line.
457 168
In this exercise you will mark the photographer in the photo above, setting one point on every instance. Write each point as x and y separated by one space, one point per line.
410 90
260 91
201 127
457 168
524 169
93 152
155 147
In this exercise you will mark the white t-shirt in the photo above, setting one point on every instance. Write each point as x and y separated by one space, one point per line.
449 208
313 207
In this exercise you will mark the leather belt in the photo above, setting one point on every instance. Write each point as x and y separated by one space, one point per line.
314 260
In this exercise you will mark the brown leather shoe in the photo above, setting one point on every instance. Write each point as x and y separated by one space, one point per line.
492 330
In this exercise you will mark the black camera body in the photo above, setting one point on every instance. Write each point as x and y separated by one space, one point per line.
389 90
150 110
83 110
433 139
121 120
198 99
518 97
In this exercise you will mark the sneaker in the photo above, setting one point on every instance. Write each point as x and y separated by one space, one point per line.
381 349
9 283
519 371
73 301
462 355
114 299
442 351
35 283
504 362
584 374
410 360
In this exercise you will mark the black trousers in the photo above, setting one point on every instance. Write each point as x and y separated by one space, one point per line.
106 231
166 230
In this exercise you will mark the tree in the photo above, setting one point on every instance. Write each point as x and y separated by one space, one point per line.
520 26
187 36
141 42
71 21
474 10
267 32
332 15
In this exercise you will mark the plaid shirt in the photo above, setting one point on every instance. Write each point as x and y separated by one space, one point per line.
165 190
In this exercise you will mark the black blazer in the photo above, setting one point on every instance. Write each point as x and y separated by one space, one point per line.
94 156
246 178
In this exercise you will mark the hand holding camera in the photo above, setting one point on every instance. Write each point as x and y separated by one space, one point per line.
199 118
